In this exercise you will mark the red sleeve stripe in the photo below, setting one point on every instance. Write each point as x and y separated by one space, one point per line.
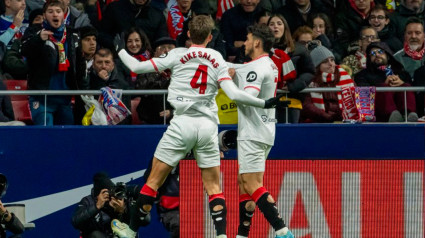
253 88
154 65
12 26
222 79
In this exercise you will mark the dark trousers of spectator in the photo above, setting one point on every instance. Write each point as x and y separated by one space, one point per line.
58 110
387 102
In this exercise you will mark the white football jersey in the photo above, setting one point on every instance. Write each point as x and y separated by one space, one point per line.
195 73
255 123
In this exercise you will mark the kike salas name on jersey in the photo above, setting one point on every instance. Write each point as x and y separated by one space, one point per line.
193 55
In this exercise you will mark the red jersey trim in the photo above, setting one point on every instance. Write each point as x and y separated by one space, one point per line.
222 79
259 57
194 45
253 88
154 65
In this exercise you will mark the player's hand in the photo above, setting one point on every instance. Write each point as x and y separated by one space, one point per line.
273 102
119 43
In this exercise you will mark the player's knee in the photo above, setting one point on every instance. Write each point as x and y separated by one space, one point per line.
270 199
250 206
217 208
147 208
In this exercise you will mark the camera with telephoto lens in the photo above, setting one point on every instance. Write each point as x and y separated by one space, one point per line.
227 140
119 191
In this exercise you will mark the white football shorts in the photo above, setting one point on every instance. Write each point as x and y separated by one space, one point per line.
185 133
252 156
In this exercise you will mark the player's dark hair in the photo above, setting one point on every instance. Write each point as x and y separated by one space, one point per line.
200 28
264 34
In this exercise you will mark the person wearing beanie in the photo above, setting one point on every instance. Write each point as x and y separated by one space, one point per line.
383 70
94 214
326 107
85 53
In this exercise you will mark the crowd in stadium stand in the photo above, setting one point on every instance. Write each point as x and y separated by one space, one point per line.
70 45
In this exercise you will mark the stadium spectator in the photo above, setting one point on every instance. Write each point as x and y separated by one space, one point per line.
303 65
94 10
296 12
73 17
419 81
137 45
194 109
12 23
43 46
85 53
406 9
151 107
325 107
349 22
233 25
107 201
357 60
382 70
412 54
255 135
379 20
263 17
14 64
304 36
105 74
7 117
177 15
323 31
8 220
121 15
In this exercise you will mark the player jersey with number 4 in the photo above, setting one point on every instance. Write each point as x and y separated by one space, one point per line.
196 72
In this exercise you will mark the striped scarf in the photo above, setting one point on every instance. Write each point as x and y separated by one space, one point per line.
344 81
285 66
222 6
141 57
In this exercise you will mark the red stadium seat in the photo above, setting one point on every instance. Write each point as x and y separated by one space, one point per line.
135 117
20 103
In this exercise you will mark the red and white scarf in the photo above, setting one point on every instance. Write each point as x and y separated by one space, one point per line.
63 60
222 6
345 81
285 66
175 21
416 55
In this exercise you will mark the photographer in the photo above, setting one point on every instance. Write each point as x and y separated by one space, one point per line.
8 221
106 202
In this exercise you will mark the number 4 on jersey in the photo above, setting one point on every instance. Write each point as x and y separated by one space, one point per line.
201 72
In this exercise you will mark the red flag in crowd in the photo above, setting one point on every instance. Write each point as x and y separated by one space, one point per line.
223 5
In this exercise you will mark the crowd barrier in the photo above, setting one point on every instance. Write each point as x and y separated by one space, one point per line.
314 170
163 92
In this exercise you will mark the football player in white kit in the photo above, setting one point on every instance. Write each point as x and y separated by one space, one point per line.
256 132
196 75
